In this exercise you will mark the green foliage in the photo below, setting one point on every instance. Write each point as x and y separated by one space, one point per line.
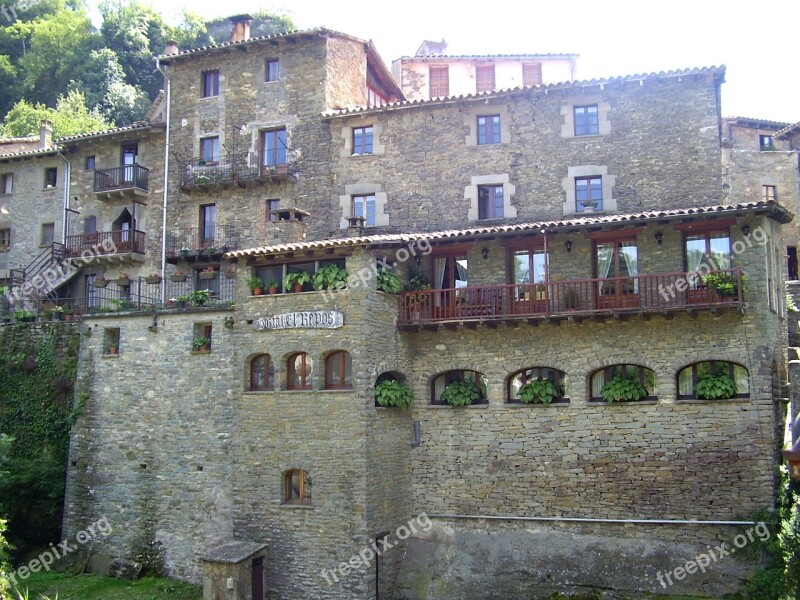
790 305
417 280
330 277
715 387
93 587
623 389
461 393
4 570
201 341
199 297
539 390
70 117
389 282
393 393
725 284
300 277
255 282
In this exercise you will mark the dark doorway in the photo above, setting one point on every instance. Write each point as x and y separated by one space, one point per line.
257 578
791 254
378 563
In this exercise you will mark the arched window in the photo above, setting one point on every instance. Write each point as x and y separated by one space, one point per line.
299 370
260 373
520 378
642 375
732 381
296 487
445 379
338 371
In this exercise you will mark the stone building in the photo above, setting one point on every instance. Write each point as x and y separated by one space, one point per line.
575 233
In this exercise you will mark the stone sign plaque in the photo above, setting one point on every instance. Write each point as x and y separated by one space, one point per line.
310 319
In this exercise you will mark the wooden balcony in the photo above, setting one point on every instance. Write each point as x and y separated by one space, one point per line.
119 182
107 246
662 293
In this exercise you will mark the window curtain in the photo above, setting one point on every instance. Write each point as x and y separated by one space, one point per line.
439 271
694 258
742 379
605 257
438 386
631 258
598 381
461 272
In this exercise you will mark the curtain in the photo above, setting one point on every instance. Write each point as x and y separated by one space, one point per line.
630 256
605 257
695 253
598 381
439 272
461 272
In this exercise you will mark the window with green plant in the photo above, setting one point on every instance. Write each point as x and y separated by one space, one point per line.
201 341
459 388
329 276
539 385
391 390
111 337
713 380
623 383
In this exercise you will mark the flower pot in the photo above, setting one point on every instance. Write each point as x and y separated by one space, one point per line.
177 278
69 318
123 282
257 291
153 280
204 348
298 287
273 290
230 273
100 283
208 274
113 350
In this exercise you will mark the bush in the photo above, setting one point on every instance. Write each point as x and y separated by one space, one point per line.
393 393
541 390
715 387
622 389
389 282
461 393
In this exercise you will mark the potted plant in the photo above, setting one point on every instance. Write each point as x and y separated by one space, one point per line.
213 250
202 344
69 313
461 393
393 393
57 312
199 297
113 349
48 314
715 387
389 282
623 389
178 277
272 286
296 281
539 390
153 279
208 273
182 301
724 284
123 280
589 205
330 277
256 285
417 282
100 282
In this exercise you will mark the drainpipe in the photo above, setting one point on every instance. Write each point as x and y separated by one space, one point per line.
67 177
167 91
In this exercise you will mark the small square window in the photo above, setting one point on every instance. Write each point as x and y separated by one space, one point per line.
111 341
489 130
297 487
273 69
51 177
210 84
6 183
202 337
484 78
5 240
272 205
531 74
48 234
209 150
765 142
588 193
90 163
490 202
362 140
770 192
439 81
364 206
586 120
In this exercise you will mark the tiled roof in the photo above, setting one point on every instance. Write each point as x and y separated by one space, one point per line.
763 123
82 136
543 88
25 153
16 140
772 209
446 57
789 130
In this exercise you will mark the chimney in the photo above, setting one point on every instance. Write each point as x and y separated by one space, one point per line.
46 134
241 28
431 48
172 48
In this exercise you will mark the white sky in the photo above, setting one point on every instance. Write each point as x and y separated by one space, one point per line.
756 41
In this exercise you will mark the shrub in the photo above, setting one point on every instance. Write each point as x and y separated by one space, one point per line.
623 389
461 393
389 282
329 277
393 393
715 387
541 390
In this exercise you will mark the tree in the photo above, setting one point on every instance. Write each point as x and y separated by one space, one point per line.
219 30
125 104
69 117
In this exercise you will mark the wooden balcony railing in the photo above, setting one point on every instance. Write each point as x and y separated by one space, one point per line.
644 293
106 243
121 178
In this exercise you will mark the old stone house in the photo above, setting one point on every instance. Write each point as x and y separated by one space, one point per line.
556 233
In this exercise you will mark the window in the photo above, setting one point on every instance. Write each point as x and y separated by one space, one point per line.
48 234
769 193
202 336
617 266
208 224
712 248
209 150
489 129
643 375
529 272
210 84
439 81
90 162
273 148
445 379
531 74
111 341
688 378
364 206
586 120
90 225
520 378
300 367
273 69
6 183
362 140
490 202
272 205
588 193
338 371
261 373
5 240
90 290
484 78
296 487
765 142
51 177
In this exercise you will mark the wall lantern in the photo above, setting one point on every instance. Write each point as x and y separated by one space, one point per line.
568 245
745 229
792 457
485 252
659 237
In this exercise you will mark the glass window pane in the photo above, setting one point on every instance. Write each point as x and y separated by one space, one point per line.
461 273
522 267
539 266
721 250
685 382
742 380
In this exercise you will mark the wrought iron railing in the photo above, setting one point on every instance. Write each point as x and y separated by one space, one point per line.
194 241
119 178
234 168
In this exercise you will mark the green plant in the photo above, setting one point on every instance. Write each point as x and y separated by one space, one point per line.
273 284
461 393
725 284
255 283
541 390
393 393
417 280
389 282
715 387
330 277
199 297
790 305
301 277
623 389
201 341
